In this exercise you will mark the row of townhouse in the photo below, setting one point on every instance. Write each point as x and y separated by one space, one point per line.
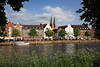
70 31
25 29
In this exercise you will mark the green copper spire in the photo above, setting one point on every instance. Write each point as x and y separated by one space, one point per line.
51 21
54 22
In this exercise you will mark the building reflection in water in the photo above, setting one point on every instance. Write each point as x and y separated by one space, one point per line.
44 50
40 50
70 49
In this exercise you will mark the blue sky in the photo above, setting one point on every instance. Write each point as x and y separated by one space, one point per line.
40 11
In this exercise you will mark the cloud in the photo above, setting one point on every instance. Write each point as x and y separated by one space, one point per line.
27 17
60 14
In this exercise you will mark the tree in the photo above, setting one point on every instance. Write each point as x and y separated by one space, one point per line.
87 33
85 25
1 32
49 33
16 33
62 33
15 4
33 33
76 32
91 13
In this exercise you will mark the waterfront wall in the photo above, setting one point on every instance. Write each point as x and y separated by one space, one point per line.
52 42
63 42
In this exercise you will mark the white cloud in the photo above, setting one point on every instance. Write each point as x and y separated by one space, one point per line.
28 18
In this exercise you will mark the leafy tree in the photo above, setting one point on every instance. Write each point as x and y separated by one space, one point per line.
33 33
62 33
91 13
76 32
1 32
49 33
16 33
85 25
15 4
87 33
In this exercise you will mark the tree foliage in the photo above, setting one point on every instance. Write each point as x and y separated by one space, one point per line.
91 13
33 32
76 32
16 33
87 33
15 4
49 32
62 33
1 32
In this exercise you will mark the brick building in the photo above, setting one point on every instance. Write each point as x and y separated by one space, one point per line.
39 29
9 30
82 28
25 29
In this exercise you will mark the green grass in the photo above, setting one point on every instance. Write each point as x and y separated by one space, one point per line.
82 59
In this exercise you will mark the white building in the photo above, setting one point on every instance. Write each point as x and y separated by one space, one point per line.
69 30
45 29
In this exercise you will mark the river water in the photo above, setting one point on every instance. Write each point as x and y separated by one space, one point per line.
47 50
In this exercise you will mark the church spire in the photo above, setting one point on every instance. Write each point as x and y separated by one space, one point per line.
51 21
54 22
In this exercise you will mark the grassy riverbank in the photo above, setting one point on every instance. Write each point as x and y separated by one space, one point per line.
52 42
81 59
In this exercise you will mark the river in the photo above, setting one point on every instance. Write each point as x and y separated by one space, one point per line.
47 50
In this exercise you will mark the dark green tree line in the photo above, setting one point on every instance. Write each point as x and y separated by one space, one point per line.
90 12
33 33
49 33
15 4
62 33
87 33
76 33
16 33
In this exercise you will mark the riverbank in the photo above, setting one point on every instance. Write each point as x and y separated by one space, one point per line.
63 41
52 42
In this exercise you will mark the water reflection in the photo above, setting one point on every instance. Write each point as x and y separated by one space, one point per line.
70 49
45 50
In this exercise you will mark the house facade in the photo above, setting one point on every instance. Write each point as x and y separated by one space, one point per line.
45 29
69 31
82 29
41 29
25 29
9 30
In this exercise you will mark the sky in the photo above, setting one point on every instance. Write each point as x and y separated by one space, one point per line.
40 11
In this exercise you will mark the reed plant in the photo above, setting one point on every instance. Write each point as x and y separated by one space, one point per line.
82 58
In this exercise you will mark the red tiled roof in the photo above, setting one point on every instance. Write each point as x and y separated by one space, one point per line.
81 27
34 26
75 27
63 27
9 22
